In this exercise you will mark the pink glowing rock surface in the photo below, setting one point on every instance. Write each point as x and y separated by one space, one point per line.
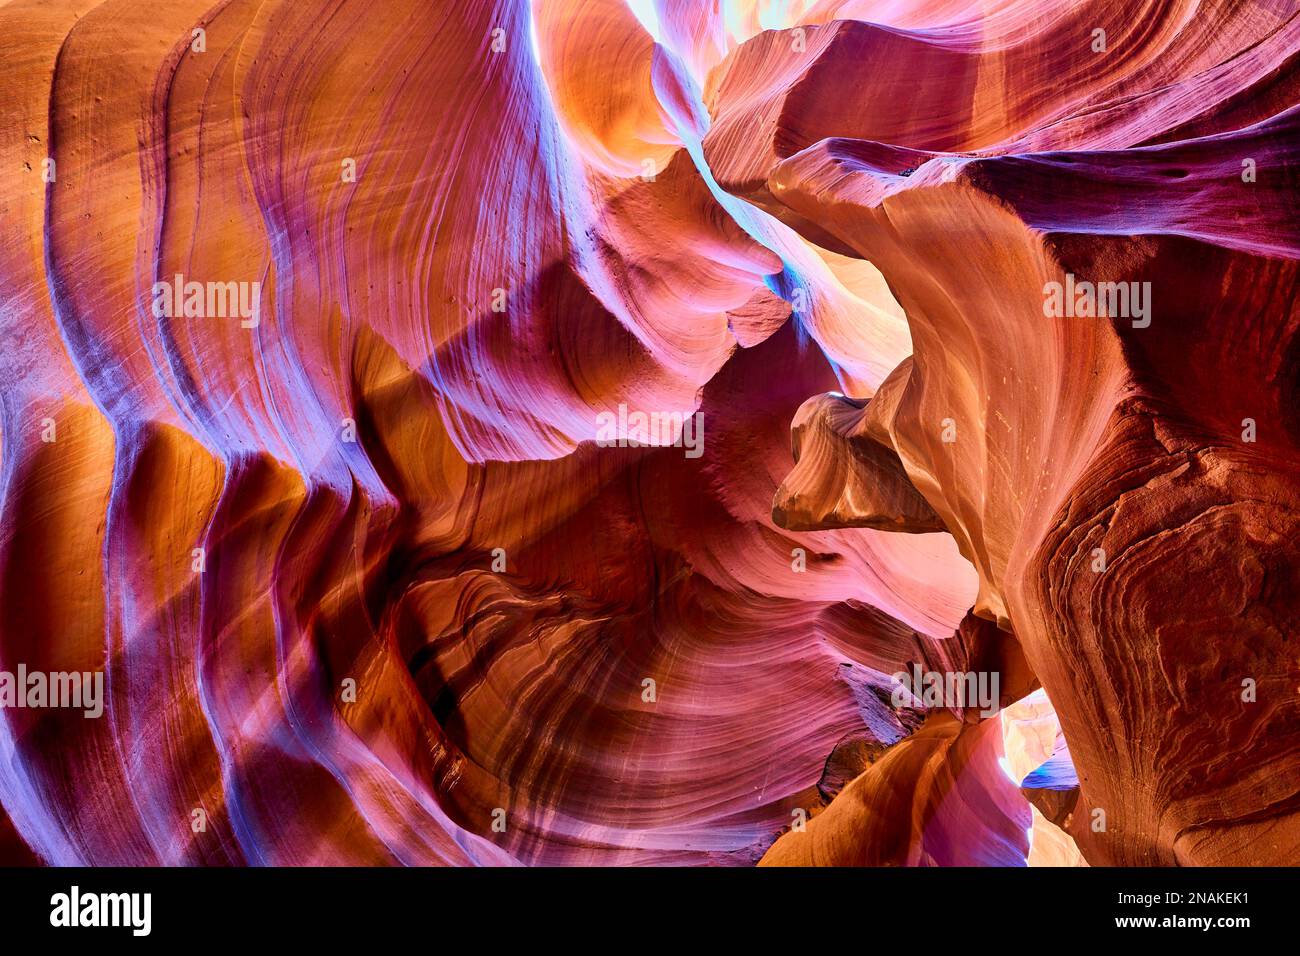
369 584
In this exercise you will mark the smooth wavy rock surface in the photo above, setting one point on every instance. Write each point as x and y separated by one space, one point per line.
479 433
1092 467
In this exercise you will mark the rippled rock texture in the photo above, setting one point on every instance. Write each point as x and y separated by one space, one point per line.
504 433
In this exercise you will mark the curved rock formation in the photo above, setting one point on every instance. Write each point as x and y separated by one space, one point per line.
479 435
1092 451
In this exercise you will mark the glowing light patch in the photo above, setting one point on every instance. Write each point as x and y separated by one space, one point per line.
533 43
1006 768
734 20
645 12
774 15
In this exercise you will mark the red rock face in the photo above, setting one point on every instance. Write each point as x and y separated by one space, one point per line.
1106 470
540 433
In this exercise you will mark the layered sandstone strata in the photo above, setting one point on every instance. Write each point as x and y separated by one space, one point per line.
368 585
